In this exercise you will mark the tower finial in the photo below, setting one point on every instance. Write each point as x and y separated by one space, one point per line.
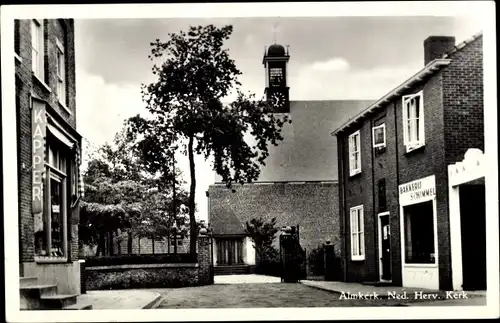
275 27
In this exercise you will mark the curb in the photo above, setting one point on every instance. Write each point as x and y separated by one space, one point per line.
154 303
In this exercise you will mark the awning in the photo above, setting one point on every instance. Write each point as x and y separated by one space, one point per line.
60 136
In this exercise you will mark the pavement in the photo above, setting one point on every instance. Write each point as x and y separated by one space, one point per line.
120 299
415 296
246 279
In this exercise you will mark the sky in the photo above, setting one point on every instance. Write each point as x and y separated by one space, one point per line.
331 58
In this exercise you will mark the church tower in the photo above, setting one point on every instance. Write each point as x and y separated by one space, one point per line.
277 91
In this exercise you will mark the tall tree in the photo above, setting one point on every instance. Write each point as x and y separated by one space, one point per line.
195 73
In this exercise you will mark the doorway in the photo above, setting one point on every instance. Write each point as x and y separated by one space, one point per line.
384 247
229 252
473 235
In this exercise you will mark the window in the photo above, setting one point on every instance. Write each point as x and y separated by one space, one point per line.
419 233
413 121
354 154
276 76
379 136
61 74
17 31
51 226
37 49
357 234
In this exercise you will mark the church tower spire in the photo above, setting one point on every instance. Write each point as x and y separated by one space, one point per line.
277 90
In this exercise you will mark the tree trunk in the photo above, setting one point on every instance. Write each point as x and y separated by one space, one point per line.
192 192
129 243
153 244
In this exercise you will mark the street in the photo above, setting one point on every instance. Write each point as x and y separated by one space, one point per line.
259 295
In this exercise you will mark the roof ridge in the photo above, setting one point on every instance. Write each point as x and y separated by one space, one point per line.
462 45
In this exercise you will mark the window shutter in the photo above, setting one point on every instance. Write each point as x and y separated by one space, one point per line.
358 156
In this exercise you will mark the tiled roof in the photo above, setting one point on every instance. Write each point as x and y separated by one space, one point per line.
307 152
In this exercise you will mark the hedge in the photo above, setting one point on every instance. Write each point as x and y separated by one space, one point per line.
140 259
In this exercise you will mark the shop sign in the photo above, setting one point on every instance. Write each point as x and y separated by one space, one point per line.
38 132
416 191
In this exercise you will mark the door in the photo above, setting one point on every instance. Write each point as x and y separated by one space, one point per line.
229 251
473 227
385 247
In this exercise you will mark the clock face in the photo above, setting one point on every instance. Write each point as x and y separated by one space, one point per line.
278 99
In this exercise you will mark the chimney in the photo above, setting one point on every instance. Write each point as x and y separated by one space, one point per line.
436 47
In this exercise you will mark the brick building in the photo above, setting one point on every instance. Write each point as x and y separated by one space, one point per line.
48 148
298 185
411 183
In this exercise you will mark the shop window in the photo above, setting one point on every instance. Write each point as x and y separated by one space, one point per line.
413 121
354 154
419 233
51 229
357 233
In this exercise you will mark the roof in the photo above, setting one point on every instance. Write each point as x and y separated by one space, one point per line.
428 70
307 152
276 50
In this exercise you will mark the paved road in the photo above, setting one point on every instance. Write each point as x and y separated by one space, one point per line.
259 295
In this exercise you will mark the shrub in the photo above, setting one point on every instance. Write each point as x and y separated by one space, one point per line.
317 261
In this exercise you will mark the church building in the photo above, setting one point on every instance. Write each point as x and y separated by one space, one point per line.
298 185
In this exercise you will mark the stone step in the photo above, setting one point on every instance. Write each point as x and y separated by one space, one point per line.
57 302
37 291
30 296
232 270
27 281
78 306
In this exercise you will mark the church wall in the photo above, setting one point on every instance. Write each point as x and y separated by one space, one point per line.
311 205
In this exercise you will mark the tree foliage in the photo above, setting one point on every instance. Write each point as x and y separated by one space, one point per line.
262 235
194 74
123 198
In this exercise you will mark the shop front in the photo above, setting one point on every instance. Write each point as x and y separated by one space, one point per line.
417 200
467 207
55 198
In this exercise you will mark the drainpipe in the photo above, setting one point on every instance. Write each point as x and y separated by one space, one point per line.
372 157
397 183
340 152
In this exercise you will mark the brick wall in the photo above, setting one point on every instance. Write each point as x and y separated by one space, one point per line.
165 275
26 86
311 205
359 191
463 102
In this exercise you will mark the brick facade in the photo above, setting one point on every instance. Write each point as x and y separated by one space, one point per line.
453 111
28 88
